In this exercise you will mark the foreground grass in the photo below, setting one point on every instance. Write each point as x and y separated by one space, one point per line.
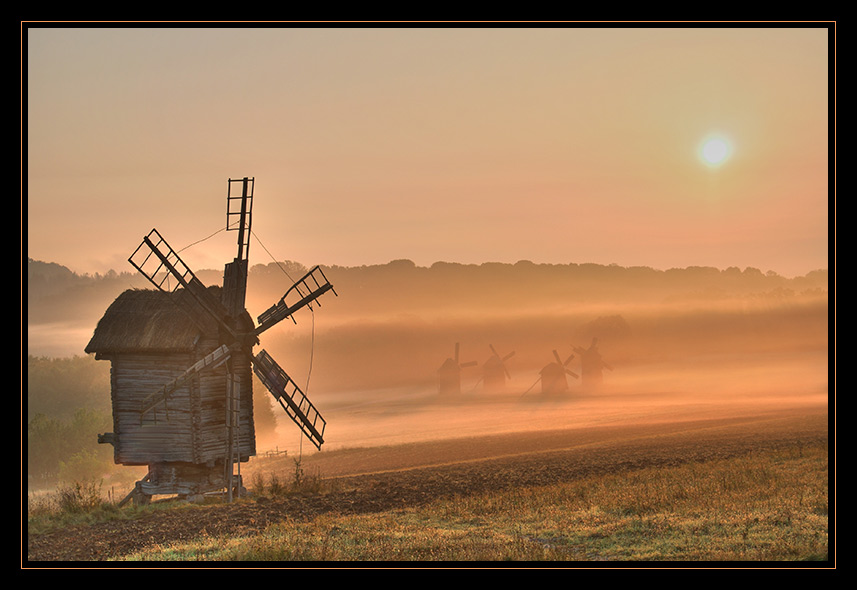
82 503
763 507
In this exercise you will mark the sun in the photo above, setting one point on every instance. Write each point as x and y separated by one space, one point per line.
715 151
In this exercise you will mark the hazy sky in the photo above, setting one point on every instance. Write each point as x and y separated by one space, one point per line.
434 144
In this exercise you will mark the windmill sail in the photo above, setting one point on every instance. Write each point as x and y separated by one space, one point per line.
290 397
307 289
458 363
502 361
239 211
494 370
158 262
563 366
239 217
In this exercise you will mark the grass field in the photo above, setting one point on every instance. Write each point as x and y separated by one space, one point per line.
760 508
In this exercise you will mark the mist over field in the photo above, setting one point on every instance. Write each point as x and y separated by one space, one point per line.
679 343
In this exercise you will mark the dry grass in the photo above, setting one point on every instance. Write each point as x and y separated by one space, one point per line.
69 504
762 508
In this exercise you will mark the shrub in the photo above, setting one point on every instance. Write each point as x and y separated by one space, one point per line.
79 497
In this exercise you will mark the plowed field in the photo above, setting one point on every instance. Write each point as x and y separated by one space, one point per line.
370 479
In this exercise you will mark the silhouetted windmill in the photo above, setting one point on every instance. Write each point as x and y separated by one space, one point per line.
181 359
553 376
449 373
592 365
494 371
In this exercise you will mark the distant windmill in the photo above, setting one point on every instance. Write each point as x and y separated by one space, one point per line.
553 376
449 373
592 365
494 371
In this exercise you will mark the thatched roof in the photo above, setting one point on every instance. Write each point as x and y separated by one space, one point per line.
152 321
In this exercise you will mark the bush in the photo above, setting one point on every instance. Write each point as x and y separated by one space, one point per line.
71 499
79 497
301 483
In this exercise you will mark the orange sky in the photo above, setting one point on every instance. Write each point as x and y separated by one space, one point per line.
464 145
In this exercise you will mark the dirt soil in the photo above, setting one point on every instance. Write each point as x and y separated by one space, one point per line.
369 480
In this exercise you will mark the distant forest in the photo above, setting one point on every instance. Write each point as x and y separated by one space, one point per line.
391 322
55 293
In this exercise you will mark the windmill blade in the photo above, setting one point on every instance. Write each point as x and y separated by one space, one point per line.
556 356
308 288
290 397
210 361
491 346
568 360
239 213
572 373
157 261
468 364
238 206
503 360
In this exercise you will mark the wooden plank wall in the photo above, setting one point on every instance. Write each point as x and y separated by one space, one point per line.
212 425
165 433
192 426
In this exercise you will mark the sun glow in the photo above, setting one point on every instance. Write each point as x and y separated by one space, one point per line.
715 151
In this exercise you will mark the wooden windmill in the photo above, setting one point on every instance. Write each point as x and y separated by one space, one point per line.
449 373
181 359
494 371
553 375
592 365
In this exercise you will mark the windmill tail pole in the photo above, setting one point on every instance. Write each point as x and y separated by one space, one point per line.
531 387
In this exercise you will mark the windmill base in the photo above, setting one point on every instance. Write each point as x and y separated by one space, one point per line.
188 481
